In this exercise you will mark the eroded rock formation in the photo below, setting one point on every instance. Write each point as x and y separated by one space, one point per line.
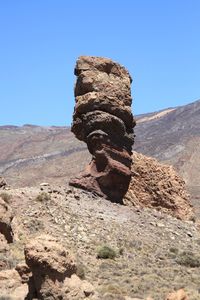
51 272
50 264
103 119
158 186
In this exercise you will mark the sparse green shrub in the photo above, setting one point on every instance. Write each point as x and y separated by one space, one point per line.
105 252
173 250
6 197
43 197
188 259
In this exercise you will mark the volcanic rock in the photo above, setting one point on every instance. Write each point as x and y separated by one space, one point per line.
156 185
103 119
50 263
24 272
3 183
77 289
11 286
6 217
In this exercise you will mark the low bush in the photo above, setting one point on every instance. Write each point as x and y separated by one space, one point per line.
106 252
42 197
188 259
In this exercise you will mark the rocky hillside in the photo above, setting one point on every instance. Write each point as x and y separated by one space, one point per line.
173 136
32 154
113 252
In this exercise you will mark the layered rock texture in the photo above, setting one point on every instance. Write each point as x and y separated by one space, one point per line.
103 119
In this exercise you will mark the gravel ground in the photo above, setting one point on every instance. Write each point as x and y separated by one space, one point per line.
155 253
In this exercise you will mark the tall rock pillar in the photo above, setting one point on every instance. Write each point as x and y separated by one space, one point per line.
103 119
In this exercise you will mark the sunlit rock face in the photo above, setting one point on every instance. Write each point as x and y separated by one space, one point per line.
103 119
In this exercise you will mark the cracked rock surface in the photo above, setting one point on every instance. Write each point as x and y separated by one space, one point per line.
104 121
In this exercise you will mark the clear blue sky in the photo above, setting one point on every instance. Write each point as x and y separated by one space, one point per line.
156 40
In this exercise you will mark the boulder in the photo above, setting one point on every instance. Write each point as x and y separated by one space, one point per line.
50 263
77 289
11 286
158 186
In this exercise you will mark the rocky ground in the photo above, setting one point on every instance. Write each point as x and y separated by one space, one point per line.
154 253
33 154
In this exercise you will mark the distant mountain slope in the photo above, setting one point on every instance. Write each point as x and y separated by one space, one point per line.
31 154
174 138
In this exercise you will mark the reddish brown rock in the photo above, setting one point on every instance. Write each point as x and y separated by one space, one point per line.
156 185
103 119
50 263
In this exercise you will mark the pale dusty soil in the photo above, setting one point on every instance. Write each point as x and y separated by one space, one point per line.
155 116
149 244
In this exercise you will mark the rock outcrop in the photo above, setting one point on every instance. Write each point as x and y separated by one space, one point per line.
50 264
53 272
3 183
77 289
11 286
156 185
6 217
103 119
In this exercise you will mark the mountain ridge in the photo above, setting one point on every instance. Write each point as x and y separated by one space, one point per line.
32 154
